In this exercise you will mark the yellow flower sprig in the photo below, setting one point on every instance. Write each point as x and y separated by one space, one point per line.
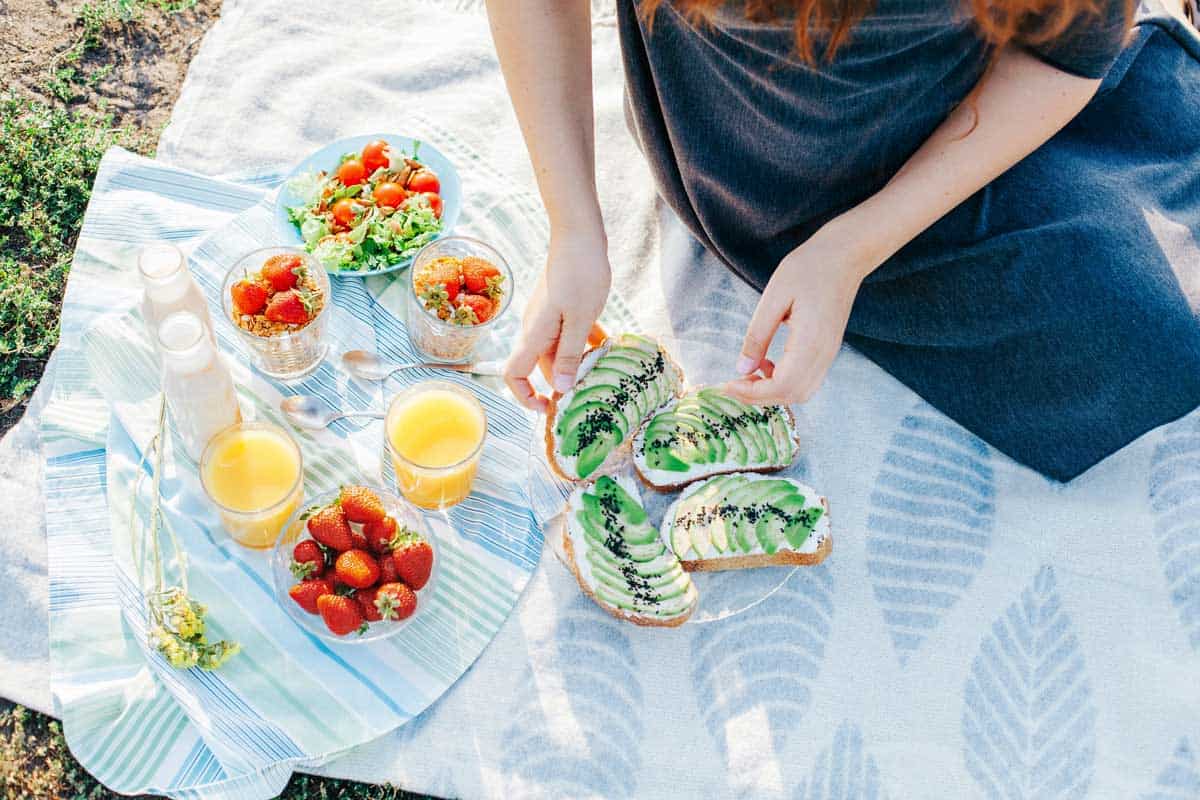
177 627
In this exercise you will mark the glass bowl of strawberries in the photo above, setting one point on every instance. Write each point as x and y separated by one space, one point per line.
276 300
355 565
459 288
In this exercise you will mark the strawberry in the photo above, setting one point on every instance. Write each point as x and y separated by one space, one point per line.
478 274
293 307
379 534
413 557
306 593
248 297
387 569
395 601
443 272
357 569
366 599
478 305
342 615
361 504
360 541
308 560
329 527
282 271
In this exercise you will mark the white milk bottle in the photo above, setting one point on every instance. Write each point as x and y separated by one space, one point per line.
169 287
197 383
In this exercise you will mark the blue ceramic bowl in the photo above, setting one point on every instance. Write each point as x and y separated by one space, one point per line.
327 159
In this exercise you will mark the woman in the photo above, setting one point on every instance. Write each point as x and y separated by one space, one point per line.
997 202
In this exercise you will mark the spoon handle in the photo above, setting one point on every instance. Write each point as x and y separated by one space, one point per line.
483 368
371 414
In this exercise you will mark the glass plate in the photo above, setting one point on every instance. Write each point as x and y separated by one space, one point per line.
722 594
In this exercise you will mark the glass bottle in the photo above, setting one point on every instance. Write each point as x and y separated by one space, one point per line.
198 386
168 287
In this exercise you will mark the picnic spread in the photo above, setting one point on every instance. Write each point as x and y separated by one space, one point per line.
854 597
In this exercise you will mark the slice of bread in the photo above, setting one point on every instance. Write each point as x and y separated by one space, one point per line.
668 606
663 480
692 528
564 465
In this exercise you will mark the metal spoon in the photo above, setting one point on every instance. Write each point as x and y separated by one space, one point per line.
370 367
306 411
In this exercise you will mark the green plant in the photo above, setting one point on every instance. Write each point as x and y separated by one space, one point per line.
35 762
48 160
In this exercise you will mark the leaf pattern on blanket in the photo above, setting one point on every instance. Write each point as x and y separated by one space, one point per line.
593 746
753 672
844 770
1179 779
1175 500
930 525
1028 718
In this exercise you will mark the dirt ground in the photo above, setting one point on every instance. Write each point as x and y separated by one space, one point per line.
134 71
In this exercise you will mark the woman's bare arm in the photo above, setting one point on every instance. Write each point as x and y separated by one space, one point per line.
1019 104
545 49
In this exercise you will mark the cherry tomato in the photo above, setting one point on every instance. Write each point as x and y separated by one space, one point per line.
343 211
424 180
352 172
389 193
435 202
374 156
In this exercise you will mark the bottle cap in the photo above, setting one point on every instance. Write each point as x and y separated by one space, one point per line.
184 342
163 272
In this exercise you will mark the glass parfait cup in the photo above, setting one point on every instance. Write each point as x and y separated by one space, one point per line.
434 433
284 354
253 472
440 339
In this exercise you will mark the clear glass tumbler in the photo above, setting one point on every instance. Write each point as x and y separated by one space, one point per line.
253 472
434 433
280 352
437 338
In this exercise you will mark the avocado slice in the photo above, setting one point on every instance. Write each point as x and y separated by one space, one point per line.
610 396
770 531
753 439
718 421
784 445
713 448
599 375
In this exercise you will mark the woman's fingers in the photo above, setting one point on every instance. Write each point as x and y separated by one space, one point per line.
767 316
535 340
571 343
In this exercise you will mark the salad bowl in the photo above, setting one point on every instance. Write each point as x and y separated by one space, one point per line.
298 189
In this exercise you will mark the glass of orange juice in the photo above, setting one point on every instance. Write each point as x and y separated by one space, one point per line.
434 433
254 474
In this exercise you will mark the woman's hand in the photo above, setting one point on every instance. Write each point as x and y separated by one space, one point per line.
812 291
561 314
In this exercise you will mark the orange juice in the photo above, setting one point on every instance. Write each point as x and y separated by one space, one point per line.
253 472
435 432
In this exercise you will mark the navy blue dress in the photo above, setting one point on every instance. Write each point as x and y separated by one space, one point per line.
1054 313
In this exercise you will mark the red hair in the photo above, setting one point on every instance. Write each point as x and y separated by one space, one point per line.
826 24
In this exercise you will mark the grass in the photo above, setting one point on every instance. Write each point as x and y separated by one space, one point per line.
48 160
35 763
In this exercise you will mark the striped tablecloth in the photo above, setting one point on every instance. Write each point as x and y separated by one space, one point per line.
289 699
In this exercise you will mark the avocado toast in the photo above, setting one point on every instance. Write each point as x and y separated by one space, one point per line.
707 432
620 559
746 520
618 386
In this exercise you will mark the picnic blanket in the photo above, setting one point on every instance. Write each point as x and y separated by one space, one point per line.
977 632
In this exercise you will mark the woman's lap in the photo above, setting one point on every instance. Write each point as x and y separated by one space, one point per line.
1050 312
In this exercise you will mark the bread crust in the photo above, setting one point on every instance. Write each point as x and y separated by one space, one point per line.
625 616
781 558
551 439
699 475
